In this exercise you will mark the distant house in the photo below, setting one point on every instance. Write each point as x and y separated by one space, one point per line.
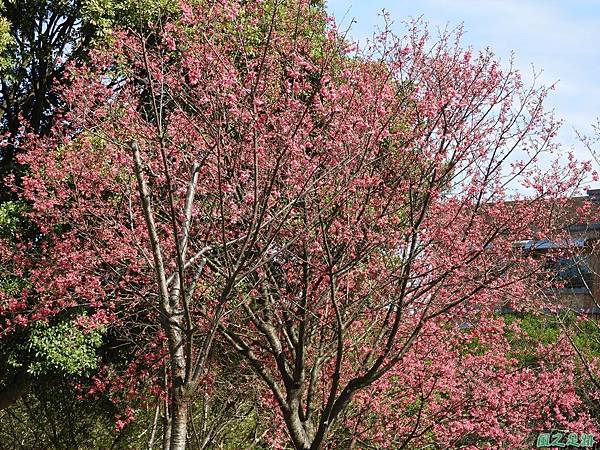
575 261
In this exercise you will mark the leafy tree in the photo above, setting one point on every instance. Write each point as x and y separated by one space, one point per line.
333 218
38 40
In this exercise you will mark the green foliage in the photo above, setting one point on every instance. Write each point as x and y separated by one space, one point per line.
64 348
12 285
537 330
286 18
5 41
50 416
540 328
474 347
10 218
240 433
11 223
105 15
586 337
547 329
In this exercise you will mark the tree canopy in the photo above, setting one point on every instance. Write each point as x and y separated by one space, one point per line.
274 220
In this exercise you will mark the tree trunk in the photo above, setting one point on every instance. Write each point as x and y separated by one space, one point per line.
179 425
298 432
166 440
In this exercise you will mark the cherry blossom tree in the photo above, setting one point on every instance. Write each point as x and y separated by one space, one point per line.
333 215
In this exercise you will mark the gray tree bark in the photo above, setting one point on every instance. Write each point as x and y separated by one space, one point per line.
179 425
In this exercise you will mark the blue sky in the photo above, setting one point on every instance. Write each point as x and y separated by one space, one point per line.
561 38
